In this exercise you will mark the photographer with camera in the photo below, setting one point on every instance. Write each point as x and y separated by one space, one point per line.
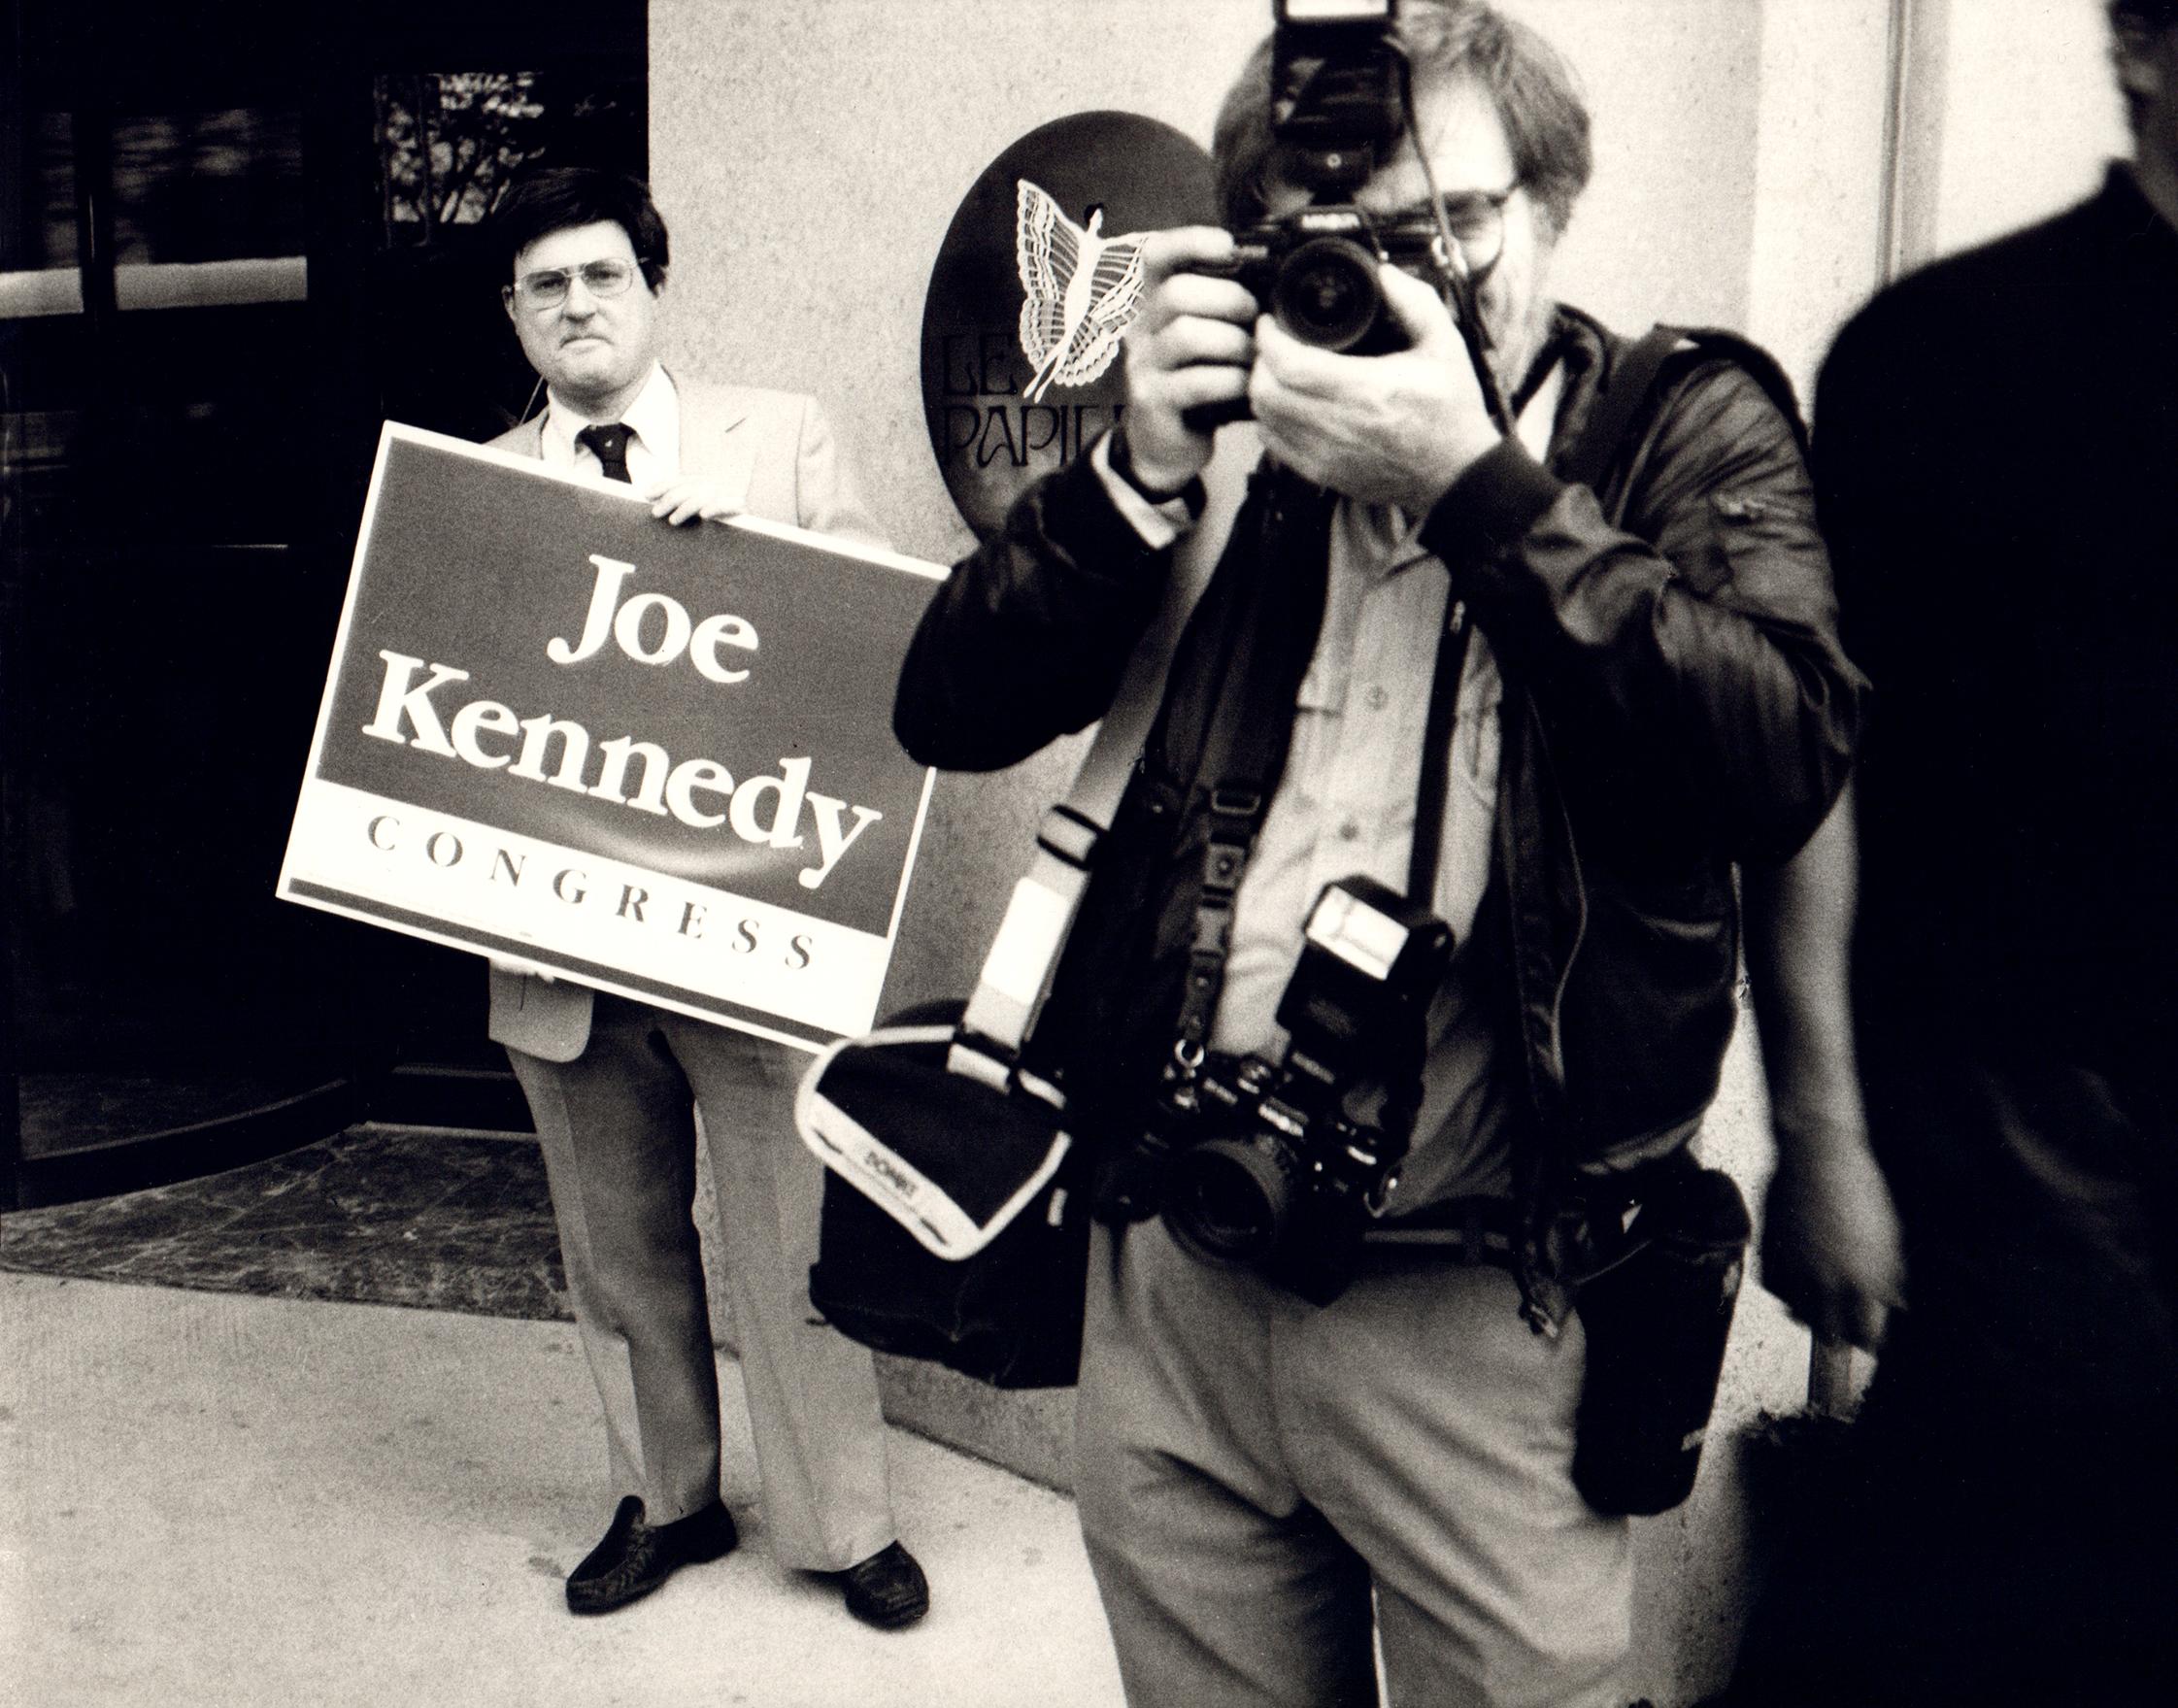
1406 968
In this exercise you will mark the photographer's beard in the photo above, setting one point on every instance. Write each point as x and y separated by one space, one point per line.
1518 310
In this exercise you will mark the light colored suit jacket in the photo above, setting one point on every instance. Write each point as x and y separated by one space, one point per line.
774 452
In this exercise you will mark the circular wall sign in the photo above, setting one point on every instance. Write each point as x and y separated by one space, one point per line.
1038 278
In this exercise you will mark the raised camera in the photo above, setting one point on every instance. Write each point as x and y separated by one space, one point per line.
1336 108
1316 270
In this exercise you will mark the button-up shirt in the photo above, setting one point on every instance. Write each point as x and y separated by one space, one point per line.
1345 805
653 423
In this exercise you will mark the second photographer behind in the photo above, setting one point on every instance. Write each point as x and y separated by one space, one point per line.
1637 683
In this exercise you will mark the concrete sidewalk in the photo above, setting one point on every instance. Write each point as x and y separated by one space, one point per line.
216 1499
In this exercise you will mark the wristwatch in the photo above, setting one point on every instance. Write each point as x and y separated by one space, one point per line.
1192 495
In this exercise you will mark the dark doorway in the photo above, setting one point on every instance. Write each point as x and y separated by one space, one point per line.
234 237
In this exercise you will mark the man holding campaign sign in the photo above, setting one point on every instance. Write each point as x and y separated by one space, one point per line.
589 254
605 749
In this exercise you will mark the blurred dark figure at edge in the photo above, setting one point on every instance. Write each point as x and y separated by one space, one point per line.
1997 465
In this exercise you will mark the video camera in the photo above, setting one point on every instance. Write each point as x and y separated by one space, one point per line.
1280 1164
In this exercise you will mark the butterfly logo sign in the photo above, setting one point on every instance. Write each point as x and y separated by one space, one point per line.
1081 289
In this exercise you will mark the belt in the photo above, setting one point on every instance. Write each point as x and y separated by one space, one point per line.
1476 1230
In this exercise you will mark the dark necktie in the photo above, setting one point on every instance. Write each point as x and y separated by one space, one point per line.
608 442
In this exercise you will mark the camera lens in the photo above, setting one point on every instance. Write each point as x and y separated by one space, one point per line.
1326 292
1228 1199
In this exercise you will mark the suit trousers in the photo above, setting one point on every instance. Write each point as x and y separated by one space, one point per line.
619 1130
1254 1471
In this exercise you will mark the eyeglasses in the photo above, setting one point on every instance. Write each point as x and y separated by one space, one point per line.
546 288
1477 219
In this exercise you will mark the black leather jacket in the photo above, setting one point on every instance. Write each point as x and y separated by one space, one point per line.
1675 701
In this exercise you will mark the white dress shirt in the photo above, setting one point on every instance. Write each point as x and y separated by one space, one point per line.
653 423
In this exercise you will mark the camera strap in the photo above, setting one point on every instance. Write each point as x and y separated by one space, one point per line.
1431 787
1016 970
1250 729
1612 414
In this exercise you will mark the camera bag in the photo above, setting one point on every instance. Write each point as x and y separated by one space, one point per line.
956 1215
951 1228
1656 1317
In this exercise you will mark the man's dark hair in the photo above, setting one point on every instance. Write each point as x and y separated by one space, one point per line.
2154 15
1538 103
2133 24
541 203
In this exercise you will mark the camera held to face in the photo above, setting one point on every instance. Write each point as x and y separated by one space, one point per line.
1337 109
1280 1164
1315 271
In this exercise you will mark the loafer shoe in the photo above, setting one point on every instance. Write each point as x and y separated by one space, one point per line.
635 1558
888 1590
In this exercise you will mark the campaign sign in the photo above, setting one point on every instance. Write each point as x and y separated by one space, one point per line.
657 760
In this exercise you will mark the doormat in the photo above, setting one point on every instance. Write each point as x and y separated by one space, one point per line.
378 1216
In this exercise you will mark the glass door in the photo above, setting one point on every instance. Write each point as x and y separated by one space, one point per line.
233 238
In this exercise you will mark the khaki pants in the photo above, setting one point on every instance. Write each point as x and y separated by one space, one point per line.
619 1134
1251 1468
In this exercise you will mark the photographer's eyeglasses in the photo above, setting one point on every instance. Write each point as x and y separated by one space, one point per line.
1477 220
547 288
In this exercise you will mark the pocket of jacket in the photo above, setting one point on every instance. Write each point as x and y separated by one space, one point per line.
1754 536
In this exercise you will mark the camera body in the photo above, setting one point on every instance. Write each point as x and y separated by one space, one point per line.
1336 108
1279 1165
1316 270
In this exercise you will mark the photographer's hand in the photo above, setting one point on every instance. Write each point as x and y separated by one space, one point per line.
1386 429
1189 346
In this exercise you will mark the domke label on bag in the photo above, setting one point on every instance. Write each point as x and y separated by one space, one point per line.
656 760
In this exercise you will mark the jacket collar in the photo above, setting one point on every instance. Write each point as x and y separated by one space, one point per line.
707 411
